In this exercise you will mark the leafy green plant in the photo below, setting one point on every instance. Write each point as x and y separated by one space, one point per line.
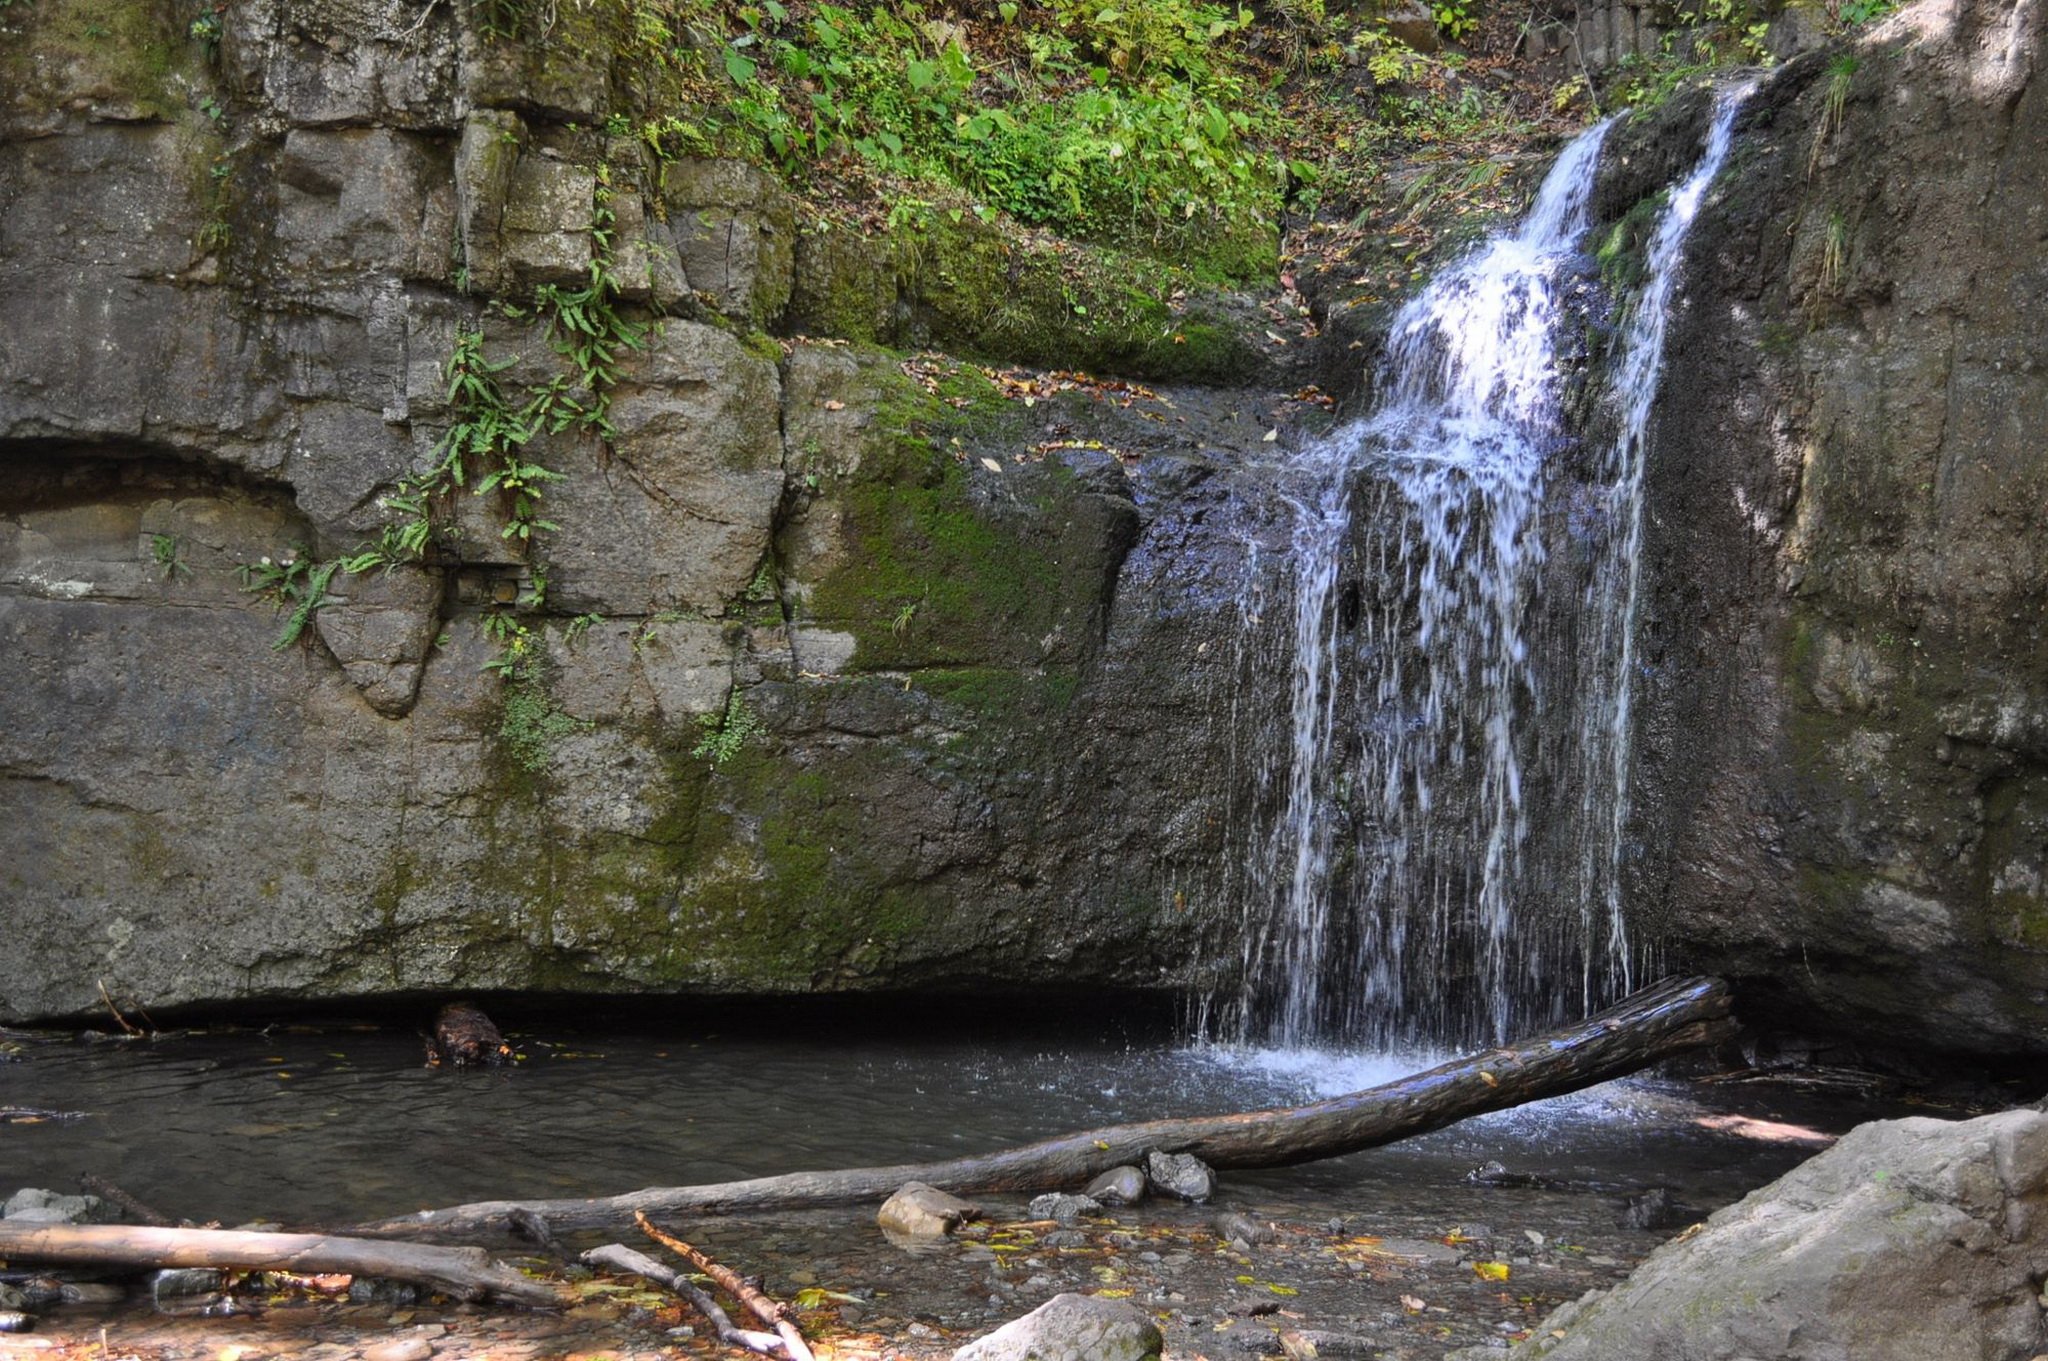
1856 13
170 562
1455 18
295 585
517 645
726 731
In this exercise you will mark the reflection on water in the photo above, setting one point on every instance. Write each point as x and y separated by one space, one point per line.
335 1125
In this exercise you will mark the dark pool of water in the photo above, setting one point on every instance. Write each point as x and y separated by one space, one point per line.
337 1124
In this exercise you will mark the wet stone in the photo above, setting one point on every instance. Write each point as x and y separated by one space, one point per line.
1233 1227
1064 1209
1181 1175
1118 1186
186 1289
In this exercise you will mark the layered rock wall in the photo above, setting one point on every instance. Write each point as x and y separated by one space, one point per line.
1850 689
782 701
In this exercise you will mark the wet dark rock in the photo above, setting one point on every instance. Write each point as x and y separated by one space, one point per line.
464 1038
1118 1186
1655 1209
1071 1326
1846 726
1910 1240
186 1289
375 1290
1065 1209
1181 1175
14 1321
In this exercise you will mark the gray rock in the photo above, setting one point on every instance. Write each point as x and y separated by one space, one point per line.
186 1290
1318 1344
33 1205
1231 1226
1071 1328
1855 776
1181 1175
380 628
1065 1209
735 230
921 1212
1412 23
1910 1240
1118 1186
11 1299
1655 1209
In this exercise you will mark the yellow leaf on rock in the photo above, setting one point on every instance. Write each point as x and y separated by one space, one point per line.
1491 1271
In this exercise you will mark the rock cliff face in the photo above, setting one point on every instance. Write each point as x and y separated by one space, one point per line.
1846 745
800 694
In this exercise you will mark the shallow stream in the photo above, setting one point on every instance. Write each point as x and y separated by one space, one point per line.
335 1124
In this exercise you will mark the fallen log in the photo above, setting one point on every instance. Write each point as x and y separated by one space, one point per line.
466 1273
1659 1021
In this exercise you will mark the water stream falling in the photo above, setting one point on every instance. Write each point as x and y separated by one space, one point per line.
1446 862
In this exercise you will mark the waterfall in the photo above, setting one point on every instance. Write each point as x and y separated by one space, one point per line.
1445 863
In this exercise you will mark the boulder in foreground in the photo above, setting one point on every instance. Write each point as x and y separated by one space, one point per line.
1910 1240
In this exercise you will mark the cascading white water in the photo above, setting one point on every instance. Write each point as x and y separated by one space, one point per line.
1416 688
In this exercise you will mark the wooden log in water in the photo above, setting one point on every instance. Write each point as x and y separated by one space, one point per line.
465 1272
1662 1020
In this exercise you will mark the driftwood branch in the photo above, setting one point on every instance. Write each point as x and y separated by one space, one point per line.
1664 1019
142 1214
618 1257
755 1303
467 1273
